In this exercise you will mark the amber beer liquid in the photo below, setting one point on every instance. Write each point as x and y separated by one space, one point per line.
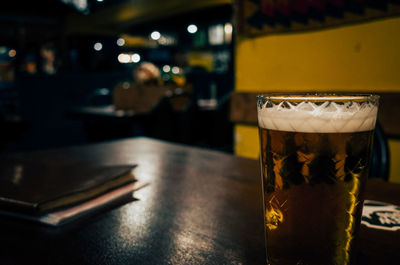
315 154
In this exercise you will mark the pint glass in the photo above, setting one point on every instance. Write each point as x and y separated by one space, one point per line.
315 156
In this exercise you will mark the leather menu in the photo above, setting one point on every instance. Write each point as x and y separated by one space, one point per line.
31 185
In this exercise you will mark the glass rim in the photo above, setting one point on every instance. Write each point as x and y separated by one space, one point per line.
319 96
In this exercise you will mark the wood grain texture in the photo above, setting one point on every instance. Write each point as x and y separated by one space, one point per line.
201 207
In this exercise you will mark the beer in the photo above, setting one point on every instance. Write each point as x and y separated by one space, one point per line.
314 160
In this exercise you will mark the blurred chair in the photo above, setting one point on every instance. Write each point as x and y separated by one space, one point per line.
171 118
139 98
12 128
380 155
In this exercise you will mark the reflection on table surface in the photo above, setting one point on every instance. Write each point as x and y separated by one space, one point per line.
201 207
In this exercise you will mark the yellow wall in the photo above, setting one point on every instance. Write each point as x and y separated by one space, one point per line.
361 57
394 147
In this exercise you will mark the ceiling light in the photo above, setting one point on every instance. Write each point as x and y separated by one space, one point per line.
135 58
124 58
155 35
228 28
120 42
192 28
175 70
166 68
98 46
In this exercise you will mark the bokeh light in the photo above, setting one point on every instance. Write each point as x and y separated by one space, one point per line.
120 42
155 35
98 46
192 28
135 58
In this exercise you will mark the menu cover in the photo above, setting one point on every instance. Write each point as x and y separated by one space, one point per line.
33 186
70 213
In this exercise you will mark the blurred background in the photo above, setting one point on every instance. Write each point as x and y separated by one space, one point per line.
82 71
58 58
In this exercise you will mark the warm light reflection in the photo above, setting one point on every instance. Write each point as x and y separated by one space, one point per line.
352 212
273 214
228 29
12 53
18 173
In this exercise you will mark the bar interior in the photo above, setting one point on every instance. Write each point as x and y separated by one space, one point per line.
129 129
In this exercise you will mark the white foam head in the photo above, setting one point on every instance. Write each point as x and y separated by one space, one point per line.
330 114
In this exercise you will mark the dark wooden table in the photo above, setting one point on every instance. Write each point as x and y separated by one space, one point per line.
201 207
105 111
106 122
